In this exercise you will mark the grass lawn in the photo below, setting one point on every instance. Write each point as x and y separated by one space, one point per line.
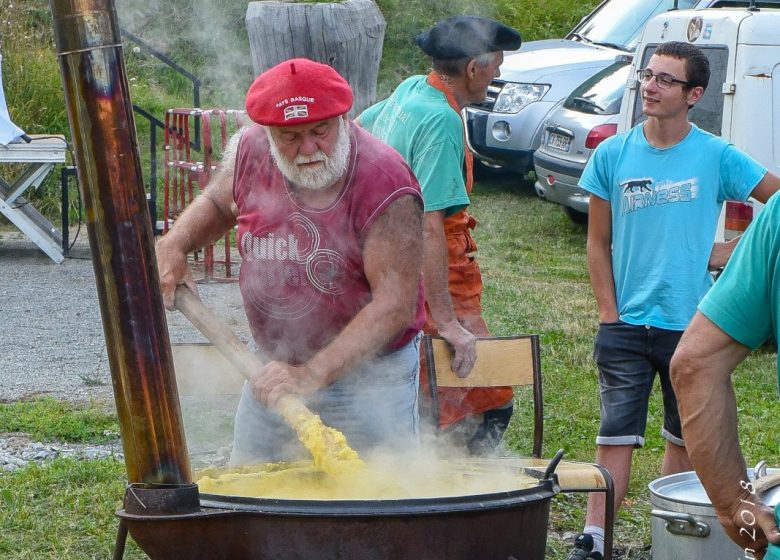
536 281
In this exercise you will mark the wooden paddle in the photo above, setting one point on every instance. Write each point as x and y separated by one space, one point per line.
327 445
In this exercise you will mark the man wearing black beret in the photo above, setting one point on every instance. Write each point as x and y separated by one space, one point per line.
421 119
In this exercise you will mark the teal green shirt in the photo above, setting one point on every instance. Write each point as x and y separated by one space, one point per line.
745 301
418 122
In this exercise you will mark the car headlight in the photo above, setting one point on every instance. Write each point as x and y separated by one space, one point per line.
514 97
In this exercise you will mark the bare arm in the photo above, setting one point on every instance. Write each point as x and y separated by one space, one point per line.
437 294
701 372
392 256
766 187
600 258
205 220
721 252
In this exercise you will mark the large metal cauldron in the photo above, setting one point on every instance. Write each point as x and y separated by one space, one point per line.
172 523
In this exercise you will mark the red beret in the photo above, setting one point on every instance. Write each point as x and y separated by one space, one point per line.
297 91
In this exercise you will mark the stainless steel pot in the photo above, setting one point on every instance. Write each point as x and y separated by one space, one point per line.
684 523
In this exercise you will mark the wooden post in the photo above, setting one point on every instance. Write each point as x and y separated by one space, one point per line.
347 35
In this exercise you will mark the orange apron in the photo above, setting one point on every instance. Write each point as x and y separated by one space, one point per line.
465 286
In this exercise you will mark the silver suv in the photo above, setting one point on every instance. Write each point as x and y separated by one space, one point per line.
506 129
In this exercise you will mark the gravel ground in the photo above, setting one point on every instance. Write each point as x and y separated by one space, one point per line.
17 451
53 345
51 331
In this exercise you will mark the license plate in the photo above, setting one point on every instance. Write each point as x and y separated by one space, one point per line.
558 142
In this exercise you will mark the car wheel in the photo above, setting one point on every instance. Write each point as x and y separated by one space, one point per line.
580 218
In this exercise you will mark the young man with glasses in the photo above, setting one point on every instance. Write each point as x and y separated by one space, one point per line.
656 194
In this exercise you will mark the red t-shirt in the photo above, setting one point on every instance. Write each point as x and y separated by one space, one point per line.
302 276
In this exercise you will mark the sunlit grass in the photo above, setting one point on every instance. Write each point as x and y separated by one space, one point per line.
64 509
49 419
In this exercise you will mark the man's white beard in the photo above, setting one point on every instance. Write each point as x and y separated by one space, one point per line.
320 176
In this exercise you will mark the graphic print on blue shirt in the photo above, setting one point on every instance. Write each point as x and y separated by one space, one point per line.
644 193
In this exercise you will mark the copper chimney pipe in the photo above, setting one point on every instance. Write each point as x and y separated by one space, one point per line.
89 48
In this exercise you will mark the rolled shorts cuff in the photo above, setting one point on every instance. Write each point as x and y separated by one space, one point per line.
636 441
668 436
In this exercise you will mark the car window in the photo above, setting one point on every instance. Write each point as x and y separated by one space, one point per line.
601 93
708 112
619 22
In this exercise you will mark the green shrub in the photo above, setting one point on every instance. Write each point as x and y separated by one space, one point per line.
31 74
542 19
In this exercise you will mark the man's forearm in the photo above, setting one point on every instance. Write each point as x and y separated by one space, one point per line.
602 281
709 418
369 332
599 253
701 372
721 253
208 217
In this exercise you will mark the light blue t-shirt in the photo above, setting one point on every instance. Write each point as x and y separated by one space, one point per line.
665 206
419 123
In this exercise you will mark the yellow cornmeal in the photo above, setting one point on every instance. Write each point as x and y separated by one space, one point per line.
337 472
305 481
328 446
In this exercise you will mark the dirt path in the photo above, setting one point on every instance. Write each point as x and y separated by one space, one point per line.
50 328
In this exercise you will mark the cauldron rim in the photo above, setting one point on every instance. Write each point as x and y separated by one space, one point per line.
545 489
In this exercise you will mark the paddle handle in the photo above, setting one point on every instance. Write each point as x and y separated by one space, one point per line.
235 351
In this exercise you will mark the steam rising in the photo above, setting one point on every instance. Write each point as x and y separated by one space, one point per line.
210 388
205 28
389 476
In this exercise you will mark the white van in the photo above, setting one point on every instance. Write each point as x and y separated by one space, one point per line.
742 101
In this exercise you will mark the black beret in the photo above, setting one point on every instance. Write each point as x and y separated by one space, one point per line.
466 37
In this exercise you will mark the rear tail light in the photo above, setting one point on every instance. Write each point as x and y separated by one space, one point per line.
738 218
597 135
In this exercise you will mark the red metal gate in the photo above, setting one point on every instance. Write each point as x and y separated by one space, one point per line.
189 161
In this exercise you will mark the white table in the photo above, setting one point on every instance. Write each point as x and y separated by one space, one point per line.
38 158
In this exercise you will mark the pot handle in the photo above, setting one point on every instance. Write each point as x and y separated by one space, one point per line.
553 464
682 523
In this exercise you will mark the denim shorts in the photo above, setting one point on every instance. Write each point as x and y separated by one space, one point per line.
628 358
375 405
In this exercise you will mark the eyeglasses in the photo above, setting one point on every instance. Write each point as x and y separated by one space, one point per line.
664 81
